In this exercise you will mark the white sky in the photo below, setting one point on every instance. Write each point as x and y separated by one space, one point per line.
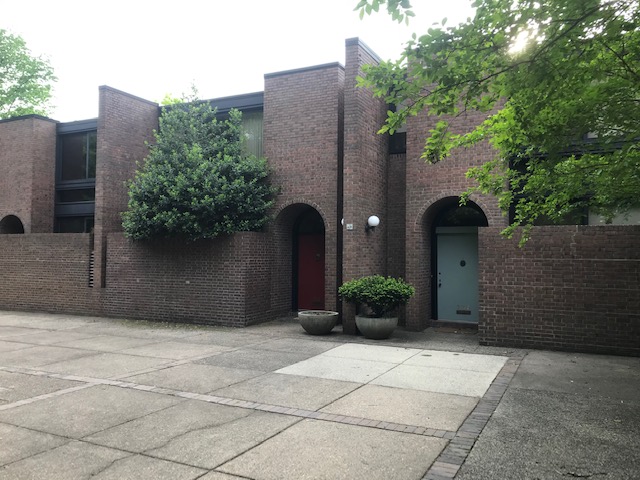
223 47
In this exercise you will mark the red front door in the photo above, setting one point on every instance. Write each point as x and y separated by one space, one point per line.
311 271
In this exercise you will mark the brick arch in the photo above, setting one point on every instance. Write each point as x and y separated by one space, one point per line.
419 243
11 224
428 209
282 233
281 213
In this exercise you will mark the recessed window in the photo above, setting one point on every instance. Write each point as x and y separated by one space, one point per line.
78 156
77 195
252 126
74 224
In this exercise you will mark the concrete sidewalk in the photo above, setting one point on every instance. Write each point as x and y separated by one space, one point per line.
111 399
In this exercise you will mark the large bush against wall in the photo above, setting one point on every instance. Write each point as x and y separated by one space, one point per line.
198 181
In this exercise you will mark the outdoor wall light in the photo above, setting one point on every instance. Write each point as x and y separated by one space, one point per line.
372 223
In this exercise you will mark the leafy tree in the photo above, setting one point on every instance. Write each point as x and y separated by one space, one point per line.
197 181
25 81
559 81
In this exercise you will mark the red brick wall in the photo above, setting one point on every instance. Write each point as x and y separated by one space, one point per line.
365 174
125 123
426 186
27 171
225 281
302 115
569 288
46 272
396 215
365 169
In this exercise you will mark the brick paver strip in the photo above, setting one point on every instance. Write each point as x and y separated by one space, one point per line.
455 453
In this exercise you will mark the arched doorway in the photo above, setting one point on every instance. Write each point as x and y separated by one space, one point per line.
455 265
11 225
308 261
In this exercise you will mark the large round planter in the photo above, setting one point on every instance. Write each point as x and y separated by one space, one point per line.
318 322
376 328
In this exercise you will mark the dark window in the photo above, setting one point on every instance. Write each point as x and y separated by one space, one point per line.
77 195
398 143
74 224
77 156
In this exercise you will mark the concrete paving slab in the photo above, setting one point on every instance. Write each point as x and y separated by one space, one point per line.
107 343
210 447
440 380
160 428
338 368
289 391
221 476
535 434
376 353
105 365
86 411
195 378
298 345
140 467
9 346
49 337
175 350
409 407
137 329
41 355
225 338
18 443
73 461
18 386
254 359
337 451
46 321
11 331
458 361
580 374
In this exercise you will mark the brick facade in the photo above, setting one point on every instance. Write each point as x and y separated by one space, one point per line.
27 171
569 288
46 272
125 123
302 142
429 189
364 175
573 288
222 282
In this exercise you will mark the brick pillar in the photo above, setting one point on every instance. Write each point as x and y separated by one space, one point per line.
364 174
125 123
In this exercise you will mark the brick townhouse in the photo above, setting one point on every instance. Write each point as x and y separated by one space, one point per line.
62 189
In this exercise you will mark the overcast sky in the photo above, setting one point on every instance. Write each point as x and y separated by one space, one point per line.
223 47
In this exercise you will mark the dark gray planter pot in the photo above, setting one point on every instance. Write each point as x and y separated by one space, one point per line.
376 328
318 322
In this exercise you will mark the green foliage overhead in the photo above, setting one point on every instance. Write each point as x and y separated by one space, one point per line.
382 295
559 81
25 81
197 181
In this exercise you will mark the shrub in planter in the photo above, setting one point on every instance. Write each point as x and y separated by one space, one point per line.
381 294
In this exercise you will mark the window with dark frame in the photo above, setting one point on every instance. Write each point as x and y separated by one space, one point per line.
75 181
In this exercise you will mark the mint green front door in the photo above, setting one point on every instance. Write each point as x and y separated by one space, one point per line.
457 273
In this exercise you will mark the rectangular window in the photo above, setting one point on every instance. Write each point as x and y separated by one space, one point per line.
252 125
78 156
76 195
74 224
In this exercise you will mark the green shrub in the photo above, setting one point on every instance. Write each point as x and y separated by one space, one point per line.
381 294
198 181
